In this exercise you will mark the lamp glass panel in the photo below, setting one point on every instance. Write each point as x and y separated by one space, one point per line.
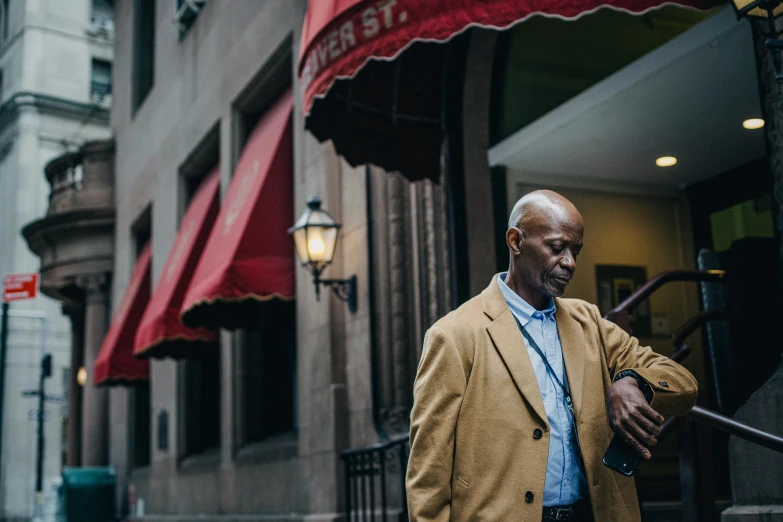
330 240
762 13
320 244
757 12
300 242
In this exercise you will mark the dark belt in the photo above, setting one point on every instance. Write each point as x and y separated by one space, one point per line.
577 512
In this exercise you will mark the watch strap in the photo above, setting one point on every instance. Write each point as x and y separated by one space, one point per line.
643 385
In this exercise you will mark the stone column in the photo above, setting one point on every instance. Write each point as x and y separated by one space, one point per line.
76 314
95 401
479 204
400 301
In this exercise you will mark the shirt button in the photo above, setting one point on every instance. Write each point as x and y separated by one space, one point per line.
537 433
529 497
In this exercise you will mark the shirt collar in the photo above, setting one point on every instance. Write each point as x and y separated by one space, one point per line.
521 308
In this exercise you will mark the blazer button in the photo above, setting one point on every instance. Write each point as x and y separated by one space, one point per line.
537 433
529 497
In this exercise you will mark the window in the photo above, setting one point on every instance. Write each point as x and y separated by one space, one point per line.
202 402
186 13
100 84
141 406
140 396
143 51
267 366
141 231
64 418
269 373
202 374
102 18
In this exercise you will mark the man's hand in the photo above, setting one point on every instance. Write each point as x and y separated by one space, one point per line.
631 417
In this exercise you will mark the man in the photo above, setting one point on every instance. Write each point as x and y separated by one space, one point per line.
493 436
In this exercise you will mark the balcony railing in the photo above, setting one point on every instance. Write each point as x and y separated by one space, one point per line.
65 175
81 180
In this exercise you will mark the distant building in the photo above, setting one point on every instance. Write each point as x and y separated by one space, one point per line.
55 93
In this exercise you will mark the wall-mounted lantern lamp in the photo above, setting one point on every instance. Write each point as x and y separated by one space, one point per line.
315 237
765 11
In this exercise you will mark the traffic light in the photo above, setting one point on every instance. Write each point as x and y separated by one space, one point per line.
46 365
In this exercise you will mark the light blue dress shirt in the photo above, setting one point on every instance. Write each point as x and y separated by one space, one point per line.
565 481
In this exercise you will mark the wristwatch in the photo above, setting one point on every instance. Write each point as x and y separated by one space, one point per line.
643 385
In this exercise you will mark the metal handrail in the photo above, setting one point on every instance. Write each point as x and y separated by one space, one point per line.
694 323
376 447
709 276
680 353
699 414
733 427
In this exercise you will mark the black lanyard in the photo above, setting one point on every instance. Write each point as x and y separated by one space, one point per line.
565 387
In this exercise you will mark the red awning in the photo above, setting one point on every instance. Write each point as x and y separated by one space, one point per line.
115 363
161 333
384 107
249 257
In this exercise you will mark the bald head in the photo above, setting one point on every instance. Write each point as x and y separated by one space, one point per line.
542 205
544 238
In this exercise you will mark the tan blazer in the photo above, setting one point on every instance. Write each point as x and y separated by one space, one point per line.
477 402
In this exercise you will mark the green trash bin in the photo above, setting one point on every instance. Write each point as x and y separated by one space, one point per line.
88 494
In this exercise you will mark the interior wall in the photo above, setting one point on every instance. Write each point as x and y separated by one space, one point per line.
631 229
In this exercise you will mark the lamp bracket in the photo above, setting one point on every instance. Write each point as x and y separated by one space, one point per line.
774 43
343 289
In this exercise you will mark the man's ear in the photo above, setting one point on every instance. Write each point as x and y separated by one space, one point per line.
514 240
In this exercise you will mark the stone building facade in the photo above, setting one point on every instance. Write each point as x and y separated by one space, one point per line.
230 63
209 78
55 81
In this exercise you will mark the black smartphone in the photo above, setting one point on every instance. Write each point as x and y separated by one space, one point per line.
621 457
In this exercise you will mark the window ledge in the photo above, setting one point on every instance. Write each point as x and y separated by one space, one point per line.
274 449
99 34
208 460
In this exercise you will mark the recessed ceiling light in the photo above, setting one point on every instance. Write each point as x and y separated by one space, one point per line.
753 123
666 161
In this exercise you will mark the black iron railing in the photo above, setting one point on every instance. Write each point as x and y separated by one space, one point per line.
369 475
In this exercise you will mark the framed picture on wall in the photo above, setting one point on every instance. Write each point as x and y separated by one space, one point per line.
615 284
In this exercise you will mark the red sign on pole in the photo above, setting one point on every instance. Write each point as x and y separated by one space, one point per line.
18 287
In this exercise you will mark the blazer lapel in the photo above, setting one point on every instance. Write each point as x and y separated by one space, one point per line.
510 345
572 341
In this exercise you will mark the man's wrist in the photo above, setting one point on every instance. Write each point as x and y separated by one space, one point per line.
643 385
628 379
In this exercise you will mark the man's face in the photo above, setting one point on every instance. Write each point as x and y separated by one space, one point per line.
547 253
